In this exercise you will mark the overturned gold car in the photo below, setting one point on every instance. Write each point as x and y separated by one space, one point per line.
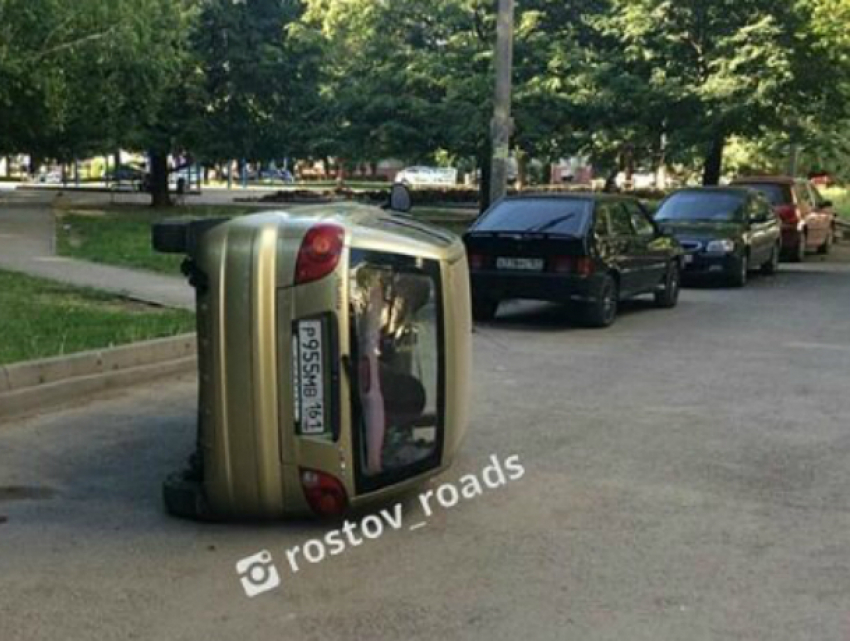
334 358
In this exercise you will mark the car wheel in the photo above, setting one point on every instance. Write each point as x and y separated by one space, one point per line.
772 266
824 249
740 273
669 296
484 309
603 311
799 254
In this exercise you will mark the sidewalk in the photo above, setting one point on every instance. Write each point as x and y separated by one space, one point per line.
27 245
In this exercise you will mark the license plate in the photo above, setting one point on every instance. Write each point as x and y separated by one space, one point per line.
688 259
520 264
310 377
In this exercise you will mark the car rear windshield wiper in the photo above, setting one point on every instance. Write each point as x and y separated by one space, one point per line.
552 223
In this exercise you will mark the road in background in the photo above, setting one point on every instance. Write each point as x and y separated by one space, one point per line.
687 478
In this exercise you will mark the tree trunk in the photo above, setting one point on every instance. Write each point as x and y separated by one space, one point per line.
159 180
521 169
714 161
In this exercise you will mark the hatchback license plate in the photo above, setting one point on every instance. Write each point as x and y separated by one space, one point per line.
310 377
520 264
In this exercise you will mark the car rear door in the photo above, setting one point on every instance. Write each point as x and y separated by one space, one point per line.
822 216
651 255
806 207
623 245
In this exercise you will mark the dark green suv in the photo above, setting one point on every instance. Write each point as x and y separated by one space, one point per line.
725 231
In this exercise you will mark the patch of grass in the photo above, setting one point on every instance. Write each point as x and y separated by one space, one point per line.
41 318
840 198
121 235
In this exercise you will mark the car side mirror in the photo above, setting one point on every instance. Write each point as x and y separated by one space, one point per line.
400 199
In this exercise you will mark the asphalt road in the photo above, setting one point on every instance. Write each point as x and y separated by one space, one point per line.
687 477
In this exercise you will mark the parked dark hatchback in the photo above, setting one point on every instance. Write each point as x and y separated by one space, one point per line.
725 232
586 249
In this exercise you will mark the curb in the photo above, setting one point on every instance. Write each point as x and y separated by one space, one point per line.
38 386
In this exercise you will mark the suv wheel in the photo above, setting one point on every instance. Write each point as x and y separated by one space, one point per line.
484 309
772 266
669 296
740 273
799 254
603 311
824 249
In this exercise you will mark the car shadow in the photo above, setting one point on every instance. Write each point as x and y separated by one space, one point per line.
533 316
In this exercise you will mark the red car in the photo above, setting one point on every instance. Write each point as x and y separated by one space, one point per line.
808 220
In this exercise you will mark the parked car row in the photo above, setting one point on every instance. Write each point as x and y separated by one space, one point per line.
592 251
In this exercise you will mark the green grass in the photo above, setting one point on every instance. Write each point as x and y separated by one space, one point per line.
121 235
840 198
41 318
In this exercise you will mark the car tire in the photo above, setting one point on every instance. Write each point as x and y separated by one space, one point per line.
741 271
799 253
668 297
826 248
603 311
484 309
772 266
184 498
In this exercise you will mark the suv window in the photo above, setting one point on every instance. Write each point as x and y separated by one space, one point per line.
803 195
640 222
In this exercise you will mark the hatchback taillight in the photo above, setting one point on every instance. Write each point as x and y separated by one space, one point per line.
325 493
320 252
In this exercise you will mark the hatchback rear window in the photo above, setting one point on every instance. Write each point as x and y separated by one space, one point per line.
702 206
776 194
546 215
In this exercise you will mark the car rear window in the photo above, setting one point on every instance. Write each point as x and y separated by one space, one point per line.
776 194
546 215
701 206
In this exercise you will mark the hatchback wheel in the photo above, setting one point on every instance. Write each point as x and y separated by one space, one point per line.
669 296
772 266
484 309
740 273
603 311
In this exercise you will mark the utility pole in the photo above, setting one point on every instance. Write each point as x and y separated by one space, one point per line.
502 124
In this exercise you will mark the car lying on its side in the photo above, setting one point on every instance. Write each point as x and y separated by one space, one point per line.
725 231
588 250
808 220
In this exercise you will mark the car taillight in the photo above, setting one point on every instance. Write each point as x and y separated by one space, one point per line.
325 493
476 261
320 252
788 213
